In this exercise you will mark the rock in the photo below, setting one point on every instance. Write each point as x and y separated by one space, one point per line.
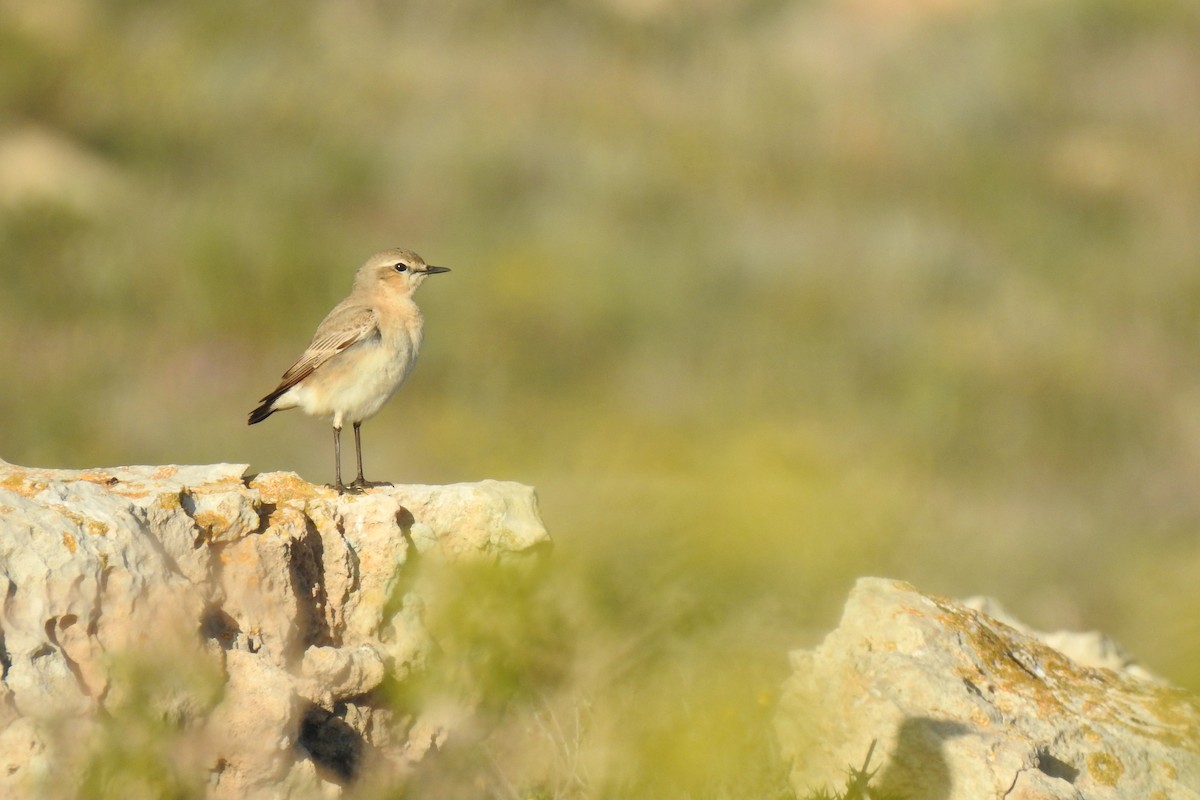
252 617
966 707
339 673
255 728
1088 648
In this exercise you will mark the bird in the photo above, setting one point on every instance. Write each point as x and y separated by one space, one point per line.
360 354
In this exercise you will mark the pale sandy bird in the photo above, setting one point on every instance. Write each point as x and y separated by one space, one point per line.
361 353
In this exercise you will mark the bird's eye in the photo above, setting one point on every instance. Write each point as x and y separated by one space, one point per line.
401 267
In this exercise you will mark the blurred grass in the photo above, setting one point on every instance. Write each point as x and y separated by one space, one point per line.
761 296
150 743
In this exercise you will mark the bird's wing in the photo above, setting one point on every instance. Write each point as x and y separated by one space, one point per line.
345 327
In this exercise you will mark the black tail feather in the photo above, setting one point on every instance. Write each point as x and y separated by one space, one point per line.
265 410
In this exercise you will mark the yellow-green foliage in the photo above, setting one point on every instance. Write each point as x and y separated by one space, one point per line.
576 702
148 744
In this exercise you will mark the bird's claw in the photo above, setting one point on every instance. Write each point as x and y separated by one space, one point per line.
360 483
353 488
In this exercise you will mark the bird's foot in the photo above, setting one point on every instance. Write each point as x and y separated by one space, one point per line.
360 483
353 488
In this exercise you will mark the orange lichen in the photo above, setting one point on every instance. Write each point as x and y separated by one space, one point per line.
169 501
214 524
21 484
1059 687
93 527
69 541
275 487
1105 768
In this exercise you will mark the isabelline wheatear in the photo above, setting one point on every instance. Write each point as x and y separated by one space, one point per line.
361 353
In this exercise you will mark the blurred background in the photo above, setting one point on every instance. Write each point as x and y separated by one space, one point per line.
761 296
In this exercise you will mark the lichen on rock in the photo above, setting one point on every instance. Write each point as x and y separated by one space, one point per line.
964 706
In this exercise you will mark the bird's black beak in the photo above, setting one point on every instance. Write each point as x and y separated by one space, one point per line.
435 270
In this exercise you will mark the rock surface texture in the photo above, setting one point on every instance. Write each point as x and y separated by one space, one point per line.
254 618
966 707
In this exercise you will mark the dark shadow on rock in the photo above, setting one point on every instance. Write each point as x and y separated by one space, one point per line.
406 576
405 520
265 510
217 625
1055 767
52 626
334 746
307 563
5 658
918 769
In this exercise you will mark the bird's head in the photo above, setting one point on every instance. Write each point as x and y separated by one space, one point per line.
398 270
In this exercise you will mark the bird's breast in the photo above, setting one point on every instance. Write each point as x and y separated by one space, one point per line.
355 384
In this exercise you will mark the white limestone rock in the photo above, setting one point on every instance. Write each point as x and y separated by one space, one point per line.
296 601
965 707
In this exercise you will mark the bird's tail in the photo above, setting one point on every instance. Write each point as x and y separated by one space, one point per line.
266 408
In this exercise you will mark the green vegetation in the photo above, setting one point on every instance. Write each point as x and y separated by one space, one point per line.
575 702
857 781
761 296
148 744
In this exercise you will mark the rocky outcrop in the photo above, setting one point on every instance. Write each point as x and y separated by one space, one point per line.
963 706
254 618
188 631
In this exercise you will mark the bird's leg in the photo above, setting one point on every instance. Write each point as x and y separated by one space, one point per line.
337 464
360 482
